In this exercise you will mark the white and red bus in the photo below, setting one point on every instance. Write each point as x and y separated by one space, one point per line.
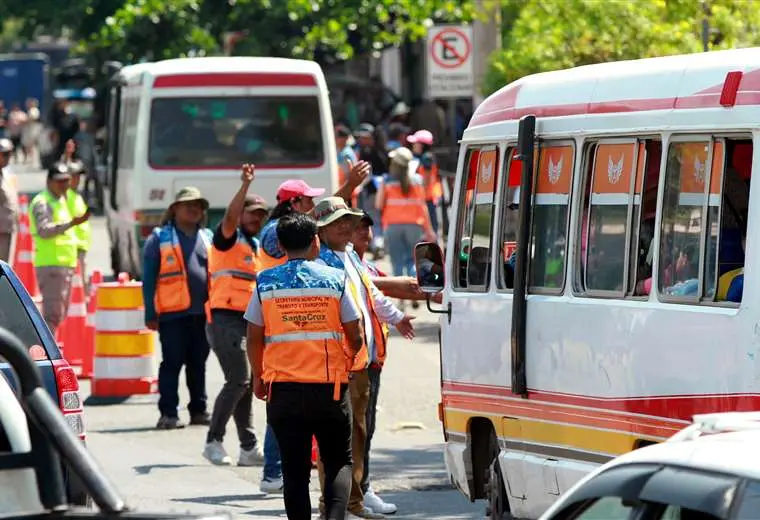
194 121
624 190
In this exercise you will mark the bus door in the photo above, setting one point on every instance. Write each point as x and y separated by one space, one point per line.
477 308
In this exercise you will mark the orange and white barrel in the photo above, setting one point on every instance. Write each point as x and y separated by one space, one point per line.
125 350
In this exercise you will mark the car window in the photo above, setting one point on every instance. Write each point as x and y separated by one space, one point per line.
605 508
748 507
14 317
681 513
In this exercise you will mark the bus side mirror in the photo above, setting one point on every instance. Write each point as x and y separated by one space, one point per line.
428 258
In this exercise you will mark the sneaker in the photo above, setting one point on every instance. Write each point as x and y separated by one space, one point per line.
215 453
169 423
200 419
252 457
375 503
364 513
271 485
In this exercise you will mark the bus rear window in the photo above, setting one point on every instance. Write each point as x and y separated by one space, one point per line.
224 132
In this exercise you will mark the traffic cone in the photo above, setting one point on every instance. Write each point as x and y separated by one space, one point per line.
23 260
74 332
92 304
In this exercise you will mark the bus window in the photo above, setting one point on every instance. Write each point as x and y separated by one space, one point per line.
608 224
644 215
692 188
727 224
228 131
130 107
509 219
550 217
473 239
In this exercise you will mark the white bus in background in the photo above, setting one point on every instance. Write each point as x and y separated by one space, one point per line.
194 121
624 190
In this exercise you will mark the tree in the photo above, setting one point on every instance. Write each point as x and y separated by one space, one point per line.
557 34
369 25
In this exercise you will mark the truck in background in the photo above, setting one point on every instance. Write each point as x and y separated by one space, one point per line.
24 76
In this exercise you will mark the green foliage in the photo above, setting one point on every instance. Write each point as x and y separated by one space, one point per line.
555 34
132 30
369 24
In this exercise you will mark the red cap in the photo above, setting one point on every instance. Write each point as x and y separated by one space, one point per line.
295 188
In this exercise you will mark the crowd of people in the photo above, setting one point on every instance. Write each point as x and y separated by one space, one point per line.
297 316
404 193
23 127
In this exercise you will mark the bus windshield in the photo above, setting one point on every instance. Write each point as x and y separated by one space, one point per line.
228 131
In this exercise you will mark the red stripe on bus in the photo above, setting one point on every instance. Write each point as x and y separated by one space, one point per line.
678 407
244 79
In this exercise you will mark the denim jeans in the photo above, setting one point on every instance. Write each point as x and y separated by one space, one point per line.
183 343
400 240
272 462
433 210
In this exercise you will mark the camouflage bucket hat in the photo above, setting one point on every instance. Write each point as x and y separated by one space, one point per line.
331 209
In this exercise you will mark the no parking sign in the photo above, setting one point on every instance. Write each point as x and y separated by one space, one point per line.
449 62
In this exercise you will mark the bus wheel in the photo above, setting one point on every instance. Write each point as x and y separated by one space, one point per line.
498 503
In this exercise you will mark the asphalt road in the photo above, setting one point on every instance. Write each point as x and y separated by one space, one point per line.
164 470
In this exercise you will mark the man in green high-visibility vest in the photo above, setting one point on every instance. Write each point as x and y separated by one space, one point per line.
77 206
55 243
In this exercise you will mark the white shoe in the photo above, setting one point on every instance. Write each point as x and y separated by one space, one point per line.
252 457
215 453
376 504
271 485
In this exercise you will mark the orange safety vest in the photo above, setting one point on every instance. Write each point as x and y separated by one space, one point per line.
232 275
172 291
361 361
304 339
404 209
433 186
268 262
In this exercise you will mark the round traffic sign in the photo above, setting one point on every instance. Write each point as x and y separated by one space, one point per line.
450 48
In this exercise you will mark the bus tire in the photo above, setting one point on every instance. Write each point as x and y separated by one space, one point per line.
496 491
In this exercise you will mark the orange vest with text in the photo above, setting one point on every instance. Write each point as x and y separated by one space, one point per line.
172 291
232 275
404 209
304 339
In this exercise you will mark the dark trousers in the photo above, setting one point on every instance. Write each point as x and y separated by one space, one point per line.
183 343
226 334
296 412
374 392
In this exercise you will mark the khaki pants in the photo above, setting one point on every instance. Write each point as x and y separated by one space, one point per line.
55 286
359 388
